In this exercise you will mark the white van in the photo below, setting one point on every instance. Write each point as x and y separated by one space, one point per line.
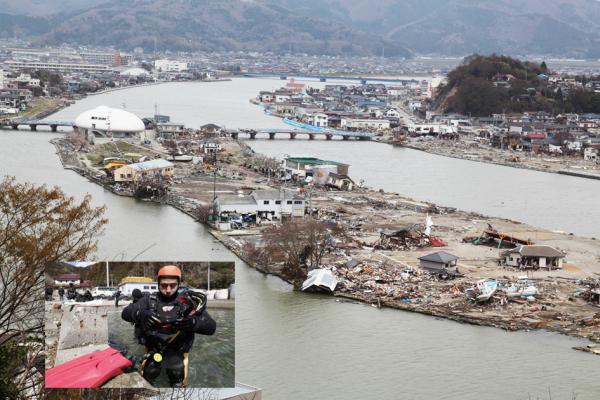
145 287
103 291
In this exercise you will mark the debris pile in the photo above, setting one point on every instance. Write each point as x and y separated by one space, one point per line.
589 290
407 238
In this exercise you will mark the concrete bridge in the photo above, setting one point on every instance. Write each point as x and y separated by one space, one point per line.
291 133
34 123
324 78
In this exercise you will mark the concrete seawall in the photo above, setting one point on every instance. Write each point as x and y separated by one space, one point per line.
84 329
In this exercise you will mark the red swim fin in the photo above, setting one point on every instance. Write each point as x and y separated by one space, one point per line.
88 371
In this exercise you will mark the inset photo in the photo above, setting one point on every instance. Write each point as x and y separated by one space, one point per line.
140 324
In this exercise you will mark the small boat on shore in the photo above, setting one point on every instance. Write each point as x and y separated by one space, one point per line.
522 288
487 288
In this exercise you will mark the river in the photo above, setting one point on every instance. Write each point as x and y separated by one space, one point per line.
301 346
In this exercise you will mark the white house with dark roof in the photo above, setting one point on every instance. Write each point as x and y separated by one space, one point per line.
533 256
261 205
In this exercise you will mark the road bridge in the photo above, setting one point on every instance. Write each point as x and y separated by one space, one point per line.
325 78
34 123
293 133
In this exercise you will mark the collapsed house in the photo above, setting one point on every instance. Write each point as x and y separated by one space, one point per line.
411 236
320 280
492 237
339 181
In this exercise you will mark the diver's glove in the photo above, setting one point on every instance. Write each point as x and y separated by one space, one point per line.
187 324
148 319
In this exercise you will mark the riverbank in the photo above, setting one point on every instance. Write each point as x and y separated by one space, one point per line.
467 149
390 277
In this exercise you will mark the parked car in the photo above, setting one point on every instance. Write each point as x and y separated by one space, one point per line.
103 291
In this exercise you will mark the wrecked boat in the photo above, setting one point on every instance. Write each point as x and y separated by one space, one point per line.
320 280
487 288
522 288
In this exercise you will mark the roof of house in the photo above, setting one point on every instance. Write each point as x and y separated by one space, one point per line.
149 165
233 200
66 276
439 257
536 251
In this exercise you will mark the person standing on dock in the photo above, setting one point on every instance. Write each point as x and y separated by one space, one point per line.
61 294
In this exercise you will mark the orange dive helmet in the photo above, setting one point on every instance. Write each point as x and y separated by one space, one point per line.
169 271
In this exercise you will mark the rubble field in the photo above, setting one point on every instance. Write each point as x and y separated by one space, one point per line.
467 149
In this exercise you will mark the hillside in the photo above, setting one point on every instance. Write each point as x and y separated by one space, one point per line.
560 28
564 28
213 25
482 85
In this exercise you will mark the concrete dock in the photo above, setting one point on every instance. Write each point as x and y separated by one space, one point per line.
76 330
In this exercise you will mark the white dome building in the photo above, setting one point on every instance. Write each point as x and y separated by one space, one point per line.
107 121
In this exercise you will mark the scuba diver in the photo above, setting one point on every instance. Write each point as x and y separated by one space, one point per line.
136 295
61 294
49 292
168 320
117 295
71 293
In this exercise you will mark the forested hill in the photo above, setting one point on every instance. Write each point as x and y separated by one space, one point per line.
483 85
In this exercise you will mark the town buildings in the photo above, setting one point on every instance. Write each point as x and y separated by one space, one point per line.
166 65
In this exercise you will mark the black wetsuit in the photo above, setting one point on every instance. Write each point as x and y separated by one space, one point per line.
49 294
172 344
117 294
71 293
61 293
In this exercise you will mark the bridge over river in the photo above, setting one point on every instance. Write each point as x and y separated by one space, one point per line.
324 78
34 123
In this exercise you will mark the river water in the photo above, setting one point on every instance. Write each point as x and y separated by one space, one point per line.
301 346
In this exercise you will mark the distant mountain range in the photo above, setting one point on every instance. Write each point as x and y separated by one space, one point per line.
560 28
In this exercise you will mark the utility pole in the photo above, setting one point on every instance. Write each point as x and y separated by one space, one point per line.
214 188
208 276
107 274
